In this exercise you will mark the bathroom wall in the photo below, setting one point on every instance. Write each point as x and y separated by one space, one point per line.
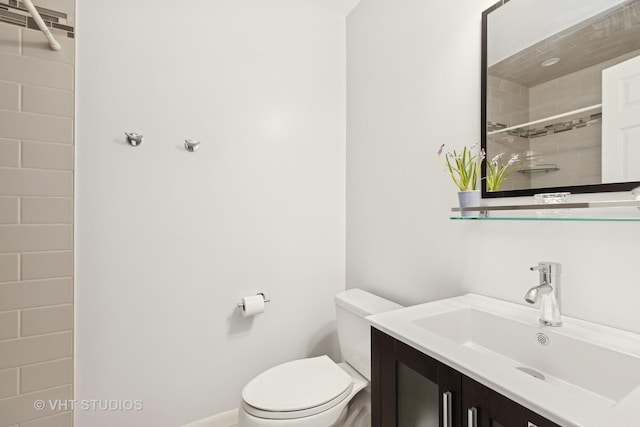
170 241
36 216
403 59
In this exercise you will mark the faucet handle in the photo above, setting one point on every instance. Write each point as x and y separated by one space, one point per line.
543 268
547 267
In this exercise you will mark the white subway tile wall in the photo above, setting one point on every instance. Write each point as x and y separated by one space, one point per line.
9 210
10 36
9 267
46 210
36 223
9 324
577 153
9 152
62 420
508 105
8 382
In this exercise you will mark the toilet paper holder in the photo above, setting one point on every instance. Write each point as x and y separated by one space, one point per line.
241 305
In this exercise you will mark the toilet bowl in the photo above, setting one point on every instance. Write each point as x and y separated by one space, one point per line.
317 392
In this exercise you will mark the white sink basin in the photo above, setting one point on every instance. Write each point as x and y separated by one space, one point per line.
564 361
580 374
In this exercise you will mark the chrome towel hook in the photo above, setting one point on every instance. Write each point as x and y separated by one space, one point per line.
133 138
191 145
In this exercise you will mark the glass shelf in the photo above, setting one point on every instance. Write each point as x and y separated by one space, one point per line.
534 218
613 211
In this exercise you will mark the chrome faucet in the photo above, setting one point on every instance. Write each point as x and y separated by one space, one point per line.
548 292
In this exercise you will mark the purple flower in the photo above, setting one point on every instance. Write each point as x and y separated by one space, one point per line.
440 149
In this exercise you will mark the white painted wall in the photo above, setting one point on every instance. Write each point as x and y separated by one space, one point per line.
342 7
169 241
414 83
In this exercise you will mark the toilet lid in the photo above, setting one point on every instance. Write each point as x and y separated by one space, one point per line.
298 385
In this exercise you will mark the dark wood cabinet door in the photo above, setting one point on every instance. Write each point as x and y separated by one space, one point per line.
505 412
484 407
450 383
411 389
421 391
475 404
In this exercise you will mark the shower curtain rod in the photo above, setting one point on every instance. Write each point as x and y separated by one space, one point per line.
53 43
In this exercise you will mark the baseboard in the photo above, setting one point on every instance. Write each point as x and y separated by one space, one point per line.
225 419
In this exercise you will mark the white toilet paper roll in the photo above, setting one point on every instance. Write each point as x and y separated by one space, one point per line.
252 305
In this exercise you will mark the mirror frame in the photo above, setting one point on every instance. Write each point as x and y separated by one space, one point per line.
575 189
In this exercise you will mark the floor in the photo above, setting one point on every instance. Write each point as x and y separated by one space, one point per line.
225 419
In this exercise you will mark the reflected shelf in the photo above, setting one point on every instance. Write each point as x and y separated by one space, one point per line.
551 167
498 128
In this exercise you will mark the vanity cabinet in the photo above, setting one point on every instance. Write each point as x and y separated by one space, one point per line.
484 407
411 389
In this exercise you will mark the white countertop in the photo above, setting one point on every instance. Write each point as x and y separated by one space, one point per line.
567 406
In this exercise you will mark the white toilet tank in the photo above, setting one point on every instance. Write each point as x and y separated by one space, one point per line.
354 331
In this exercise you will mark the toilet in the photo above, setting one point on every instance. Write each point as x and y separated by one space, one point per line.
317 392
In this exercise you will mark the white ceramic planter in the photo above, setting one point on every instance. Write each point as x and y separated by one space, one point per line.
469 198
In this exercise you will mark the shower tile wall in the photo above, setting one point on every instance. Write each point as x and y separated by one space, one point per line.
36 222
508 105
577 152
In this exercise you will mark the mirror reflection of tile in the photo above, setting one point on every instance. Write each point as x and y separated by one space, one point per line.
563 150
14 12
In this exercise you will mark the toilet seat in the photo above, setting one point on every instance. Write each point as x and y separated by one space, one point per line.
297 389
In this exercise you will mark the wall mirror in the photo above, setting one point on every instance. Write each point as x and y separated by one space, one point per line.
561 96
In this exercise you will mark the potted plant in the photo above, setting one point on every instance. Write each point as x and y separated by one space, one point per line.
464 169
497 171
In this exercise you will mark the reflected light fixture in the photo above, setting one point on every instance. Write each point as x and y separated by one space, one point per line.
549 62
